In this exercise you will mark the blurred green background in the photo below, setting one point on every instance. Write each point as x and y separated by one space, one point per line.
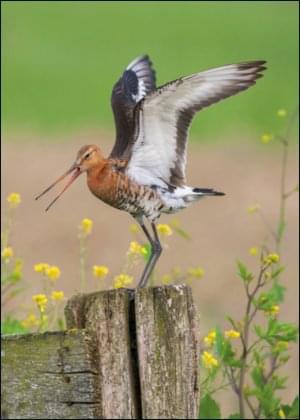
61 59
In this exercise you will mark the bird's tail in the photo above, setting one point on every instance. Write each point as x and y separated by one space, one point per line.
206 191
195 194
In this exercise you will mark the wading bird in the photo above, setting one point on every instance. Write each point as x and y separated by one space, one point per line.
145 172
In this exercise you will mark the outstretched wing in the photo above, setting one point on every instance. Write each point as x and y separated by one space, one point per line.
137 80
158 155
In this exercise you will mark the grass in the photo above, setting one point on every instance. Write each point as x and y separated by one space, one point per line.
62 58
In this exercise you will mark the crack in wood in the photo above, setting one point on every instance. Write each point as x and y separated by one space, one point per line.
74 372
70 403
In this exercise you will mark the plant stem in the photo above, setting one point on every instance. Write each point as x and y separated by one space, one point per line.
283 193
249 315
82 253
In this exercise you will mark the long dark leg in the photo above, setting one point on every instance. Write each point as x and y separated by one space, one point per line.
156 250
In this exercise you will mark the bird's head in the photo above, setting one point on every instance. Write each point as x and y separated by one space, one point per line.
88 158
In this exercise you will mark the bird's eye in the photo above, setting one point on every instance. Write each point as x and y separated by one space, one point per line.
87 156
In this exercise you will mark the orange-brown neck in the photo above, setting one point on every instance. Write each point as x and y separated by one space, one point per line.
104 180
99 178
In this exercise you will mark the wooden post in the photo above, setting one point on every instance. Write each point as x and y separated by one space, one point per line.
126 354
168 352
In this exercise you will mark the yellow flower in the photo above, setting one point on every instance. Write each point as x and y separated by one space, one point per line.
266 138
7 253
166 279
196 272
253 251
253 209
271 258
86 226
136 249
232 334
122 280
164 229
41 301
41 268
274 310
281 414
281 346
281 113
53 272
134 228
57 295
14 199
100 271
30 321
210 339
118 284
209 360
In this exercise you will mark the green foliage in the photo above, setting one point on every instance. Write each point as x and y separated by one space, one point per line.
12 326
147 253
277 331
291 411
209 408
66 57
252 369
273 297
243 272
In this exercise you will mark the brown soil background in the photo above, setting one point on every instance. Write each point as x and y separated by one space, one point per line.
221 229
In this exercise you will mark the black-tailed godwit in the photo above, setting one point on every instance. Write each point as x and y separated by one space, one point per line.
145 172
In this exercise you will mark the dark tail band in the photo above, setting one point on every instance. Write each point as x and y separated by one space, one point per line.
207 191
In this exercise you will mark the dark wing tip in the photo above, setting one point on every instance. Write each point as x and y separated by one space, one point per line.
254 63
142 66
257 67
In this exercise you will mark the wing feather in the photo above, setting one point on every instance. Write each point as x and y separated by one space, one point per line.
158 154
137 80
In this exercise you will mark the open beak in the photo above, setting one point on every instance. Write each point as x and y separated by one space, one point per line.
75 171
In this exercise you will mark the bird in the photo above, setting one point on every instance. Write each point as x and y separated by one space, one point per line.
144 174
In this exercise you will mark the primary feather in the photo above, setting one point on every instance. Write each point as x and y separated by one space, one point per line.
158 153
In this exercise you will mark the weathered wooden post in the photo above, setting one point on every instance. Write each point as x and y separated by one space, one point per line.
126 354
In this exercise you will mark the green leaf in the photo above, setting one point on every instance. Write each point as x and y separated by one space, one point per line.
277 272
294 412
224 349
235 416
12 326
232 322
243 272
61 324
277 292
259 331
219 341
258 378
181 232
148 252
277 331
234 362
273 297
209 408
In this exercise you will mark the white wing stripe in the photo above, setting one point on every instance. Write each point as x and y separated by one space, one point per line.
154 153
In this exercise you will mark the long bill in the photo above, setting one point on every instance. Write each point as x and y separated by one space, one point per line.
76 172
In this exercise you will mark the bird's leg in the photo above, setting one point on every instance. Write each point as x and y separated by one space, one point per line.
156 250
